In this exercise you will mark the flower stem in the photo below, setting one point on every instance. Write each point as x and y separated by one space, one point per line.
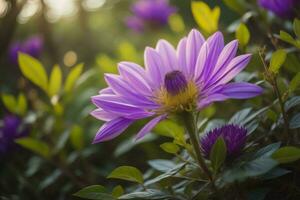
190 125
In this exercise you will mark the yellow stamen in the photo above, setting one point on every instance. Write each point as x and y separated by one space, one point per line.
185 100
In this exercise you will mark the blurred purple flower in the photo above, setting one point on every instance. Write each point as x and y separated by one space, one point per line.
32 46
10 129
189 78
149 13
233 135
282 8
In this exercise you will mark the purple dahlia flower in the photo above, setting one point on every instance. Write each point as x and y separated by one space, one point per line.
32 46
233 135
10 129
282 8
149 12
190 77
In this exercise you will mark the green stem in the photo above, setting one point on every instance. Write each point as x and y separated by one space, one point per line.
281 103
190 125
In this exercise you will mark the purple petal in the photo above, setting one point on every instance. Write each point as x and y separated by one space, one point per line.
241 90
234 67
154 67
201 61
122 88
113 104
216 44
112 129
204 102
134 79
168 55
149 126
194 42
181 55
103 115
107 90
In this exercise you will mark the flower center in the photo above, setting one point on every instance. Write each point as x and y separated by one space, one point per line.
177 94
175 82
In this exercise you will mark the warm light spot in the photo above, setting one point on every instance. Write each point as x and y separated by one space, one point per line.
30 9
92 5
54 100
3 8
70 58
60 8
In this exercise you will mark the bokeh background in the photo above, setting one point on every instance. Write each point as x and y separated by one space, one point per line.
61 159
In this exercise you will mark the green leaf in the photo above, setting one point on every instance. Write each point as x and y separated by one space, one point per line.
296 26
170 147
148 194
240 116
218 154
206 18
62 140
127 52
176 23
275 173
171 129
169 173
235 5
117 191
49 179
55 81
22 104
107 64
287 154
286 37
94 192
72 77
127 173
295 121
295 82
35 146
277 60
76 137
161 165
33 70
242 34
267 151
292 102
9 102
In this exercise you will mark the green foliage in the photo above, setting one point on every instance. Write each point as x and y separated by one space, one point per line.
149 194
277 60
296 26
295 82
72 77
34 145
295 121
33 70
170 147
127 173
13 105
94 192
176 23
287 154
236 5
206 18
117 191
55 81
218 154
77 137
242 34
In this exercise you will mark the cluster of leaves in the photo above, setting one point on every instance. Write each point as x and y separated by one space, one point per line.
271 156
